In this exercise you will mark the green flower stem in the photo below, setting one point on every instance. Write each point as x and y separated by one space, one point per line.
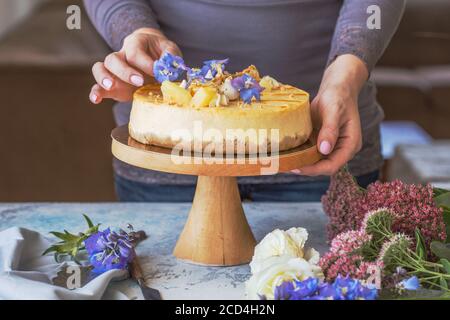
399 253
421 269
436 285
430 264
424 278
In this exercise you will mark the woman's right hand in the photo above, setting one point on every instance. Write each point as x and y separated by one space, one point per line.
123 71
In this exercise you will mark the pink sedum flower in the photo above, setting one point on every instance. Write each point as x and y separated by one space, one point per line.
413 206
348 242
341 204
344 258
346 204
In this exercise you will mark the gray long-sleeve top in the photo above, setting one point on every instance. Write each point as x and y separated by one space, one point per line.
291 40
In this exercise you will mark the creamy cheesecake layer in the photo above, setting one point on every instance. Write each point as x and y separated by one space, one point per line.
286 110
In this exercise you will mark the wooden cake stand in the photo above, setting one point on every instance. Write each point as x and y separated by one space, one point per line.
216 232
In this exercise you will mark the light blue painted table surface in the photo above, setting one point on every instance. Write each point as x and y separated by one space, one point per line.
163 222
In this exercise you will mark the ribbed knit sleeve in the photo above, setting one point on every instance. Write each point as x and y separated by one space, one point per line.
353 36
115 19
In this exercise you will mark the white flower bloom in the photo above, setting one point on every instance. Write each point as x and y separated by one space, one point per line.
276 270
299 235
312 256
279 243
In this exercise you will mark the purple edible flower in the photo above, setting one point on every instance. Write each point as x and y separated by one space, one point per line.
284 291
410 283
209 70
195 74
352 289
346 288
168 67
312 289
366 292
109 250
248 88
212 67
304 289
328 292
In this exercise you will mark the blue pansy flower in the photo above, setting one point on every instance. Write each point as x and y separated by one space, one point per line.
109 250
168 67
248 88
212 67
410 283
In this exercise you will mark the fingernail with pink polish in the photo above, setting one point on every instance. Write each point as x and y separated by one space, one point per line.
93 98
296 171
137 80
325 147
107 83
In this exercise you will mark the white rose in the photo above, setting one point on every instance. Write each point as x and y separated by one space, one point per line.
312 256
299 235
276 270
279 243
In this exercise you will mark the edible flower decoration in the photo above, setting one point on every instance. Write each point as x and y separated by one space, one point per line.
213 67
169 67
212 75
248 88
343 288
112 248
210 69
411 284
109 250
195 74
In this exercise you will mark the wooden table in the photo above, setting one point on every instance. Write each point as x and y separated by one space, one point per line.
163 223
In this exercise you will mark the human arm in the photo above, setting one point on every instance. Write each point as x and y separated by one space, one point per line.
354 51
131 29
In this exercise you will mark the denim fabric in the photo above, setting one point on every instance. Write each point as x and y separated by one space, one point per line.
133 191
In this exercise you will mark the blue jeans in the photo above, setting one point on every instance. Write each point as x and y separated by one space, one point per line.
132 191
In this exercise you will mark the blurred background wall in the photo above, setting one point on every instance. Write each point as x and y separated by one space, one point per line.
13 11
55 145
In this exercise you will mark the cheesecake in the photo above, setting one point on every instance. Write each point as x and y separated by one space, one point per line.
221 112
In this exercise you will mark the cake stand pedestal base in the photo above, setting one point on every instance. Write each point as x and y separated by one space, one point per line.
217 231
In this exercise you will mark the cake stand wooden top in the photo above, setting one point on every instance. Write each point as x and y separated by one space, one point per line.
156 158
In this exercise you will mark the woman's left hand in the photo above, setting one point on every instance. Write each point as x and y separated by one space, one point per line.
335 111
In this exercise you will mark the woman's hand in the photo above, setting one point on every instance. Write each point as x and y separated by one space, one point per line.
122 72
335 111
